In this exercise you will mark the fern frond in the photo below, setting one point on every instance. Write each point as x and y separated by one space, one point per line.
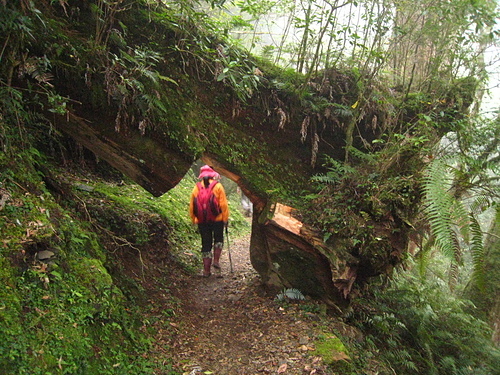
404 359
477 252
424 255
362 156
453 273
327 179
451 221
337 170
448 363
480 204
440 206
460 218
152 76
290 293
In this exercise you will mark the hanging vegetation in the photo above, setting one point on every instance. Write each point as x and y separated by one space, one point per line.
342 116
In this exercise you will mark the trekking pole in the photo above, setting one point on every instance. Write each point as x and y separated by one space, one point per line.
229 251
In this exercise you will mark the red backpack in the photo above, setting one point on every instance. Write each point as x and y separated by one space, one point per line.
206 205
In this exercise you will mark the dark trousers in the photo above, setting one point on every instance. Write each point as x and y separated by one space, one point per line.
211 233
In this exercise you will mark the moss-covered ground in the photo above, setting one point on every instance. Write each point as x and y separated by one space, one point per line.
80 309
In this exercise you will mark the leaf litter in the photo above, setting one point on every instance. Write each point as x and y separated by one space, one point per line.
231 326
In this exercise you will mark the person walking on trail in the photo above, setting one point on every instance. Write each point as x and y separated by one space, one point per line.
209 209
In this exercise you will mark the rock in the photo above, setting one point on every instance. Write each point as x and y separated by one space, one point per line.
44 255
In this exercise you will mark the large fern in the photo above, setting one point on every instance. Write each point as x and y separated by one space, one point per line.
441 208
454 227
477 252
420 328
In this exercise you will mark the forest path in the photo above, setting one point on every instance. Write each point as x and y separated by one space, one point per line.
228 326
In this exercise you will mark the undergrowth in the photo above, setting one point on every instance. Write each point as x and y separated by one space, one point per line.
81 310
413 326
418 327
64 314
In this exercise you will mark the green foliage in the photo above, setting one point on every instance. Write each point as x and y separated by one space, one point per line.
330 347
357 198
318 35
291 293
477 252
453 220
74 315
337 171
443 210
68 314
237 71
134 84
422 328
484 293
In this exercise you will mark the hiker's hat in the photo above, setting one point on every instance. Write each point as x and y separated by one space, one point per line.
207 171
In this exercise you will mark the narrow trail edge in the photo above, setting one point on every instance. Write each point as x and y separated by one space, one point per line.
230 326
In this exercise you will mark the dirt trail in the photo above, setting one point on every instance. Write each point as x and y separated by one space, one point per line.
229 326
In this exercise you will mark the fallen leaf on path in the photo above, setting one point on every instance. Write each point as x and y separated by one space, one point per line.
282 368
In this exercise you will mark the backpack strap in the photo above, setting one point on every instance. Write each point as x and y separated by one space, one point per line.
210 186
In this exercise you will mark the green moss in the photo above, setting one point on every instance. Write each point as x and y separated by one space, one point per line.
236 146
330 348
90 273
68 316
334 353
10 313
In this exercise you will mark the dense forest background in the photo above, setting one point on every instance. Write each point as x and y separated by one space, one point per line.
402 82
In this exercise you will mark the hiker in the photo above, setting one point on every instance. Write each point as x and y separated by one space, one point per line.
210 224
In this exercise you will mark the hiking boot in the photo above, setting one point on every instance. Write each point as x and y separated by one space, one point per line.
217 254
207 262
